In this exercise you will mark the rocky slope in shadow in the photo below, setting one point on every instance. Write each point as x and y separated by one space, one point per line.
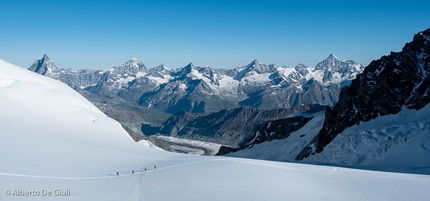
232 127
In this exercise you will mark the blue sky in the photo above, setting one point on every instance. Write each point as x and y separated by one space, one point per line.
217 33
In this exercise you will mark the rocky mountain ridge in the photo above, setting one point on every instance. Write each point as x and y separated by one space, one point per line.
399 80
204 90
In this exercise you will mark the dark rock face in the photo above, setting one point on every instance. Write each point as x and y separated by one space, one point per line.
232 127
385 86
274 130
43 66
277 129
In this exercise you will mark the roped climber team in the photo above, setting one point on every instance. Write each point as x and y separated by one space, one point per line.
132 171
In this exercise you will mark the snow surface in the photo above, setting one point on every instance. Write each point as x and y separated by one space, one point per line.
53 139
393 142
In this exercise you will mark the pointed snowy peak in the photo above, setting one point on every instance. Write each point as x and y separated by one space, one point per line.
190 66
332 57
45 66
334 71
45 58
328 63
187 69
255 64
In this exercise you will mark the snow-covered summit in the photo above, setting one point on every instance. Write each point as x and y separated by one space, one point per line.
333 70
132 66
253 68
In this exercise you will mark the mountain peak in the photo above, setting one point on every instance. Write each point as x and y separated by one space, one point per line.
189 67
160 67
133 60
329 62
332 57
253 63
44 66
45 58
131 65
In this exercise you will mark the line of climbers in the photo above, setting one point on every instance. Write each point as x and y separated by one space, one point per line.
132 171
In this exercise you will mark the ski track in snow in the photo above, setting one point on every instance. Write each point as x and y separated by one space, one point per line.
109 175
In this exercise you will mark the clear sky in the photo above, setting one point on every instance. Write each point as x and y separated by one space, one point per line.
99 34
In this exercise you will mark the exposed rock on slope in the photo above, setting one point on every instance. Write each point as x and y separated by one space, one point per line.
386 85
232 127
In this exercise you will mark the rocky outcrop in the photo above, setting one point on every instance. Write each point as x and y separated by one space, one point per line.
385 86
232 127
277 129
274 130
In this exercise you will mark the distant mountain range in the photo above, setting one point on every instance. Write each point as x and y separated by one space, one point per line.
136 95
204 90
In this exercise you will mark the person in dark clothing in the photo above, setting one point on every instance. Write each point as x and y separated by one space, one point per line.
132 172
117 173
155 167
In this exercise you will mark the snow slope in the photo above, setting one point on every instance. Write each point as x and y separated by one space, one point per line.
399 141
53 140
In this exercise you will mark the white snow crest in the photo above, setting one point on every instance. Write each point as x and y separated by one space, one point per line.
7 77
